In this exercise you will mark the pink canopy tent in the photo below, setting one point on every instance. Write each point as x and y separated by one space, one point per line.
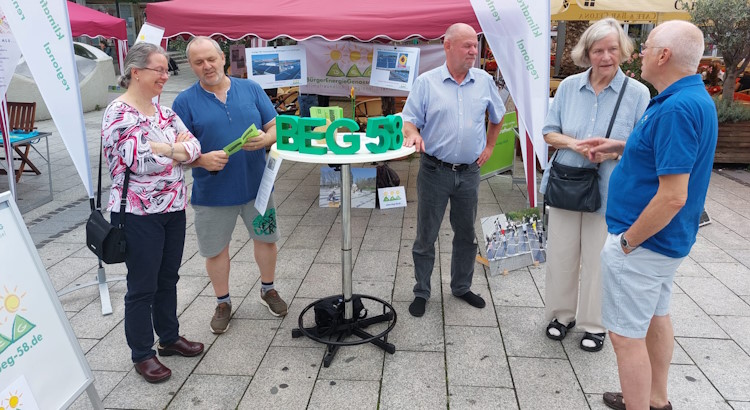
303 19
91 23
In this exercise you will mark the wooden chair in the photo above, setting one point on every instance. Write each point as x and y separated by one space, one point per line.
286 103
371 107
21 116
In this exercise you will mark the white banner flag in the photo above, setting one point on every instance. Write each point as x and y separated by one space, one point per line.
9 55
42 31
333 67
518 33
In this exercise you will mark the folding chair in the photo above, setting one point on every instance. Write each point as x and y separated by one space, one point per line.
21 117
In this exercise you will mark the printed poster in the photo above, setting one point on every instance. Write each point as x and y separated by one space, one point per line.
9 54
18 396
150 33
395 67
392 197
237 61
363 187
274 67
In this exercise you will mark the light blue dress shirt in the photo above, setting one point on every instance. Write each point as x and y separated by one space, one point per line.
450 116
578 112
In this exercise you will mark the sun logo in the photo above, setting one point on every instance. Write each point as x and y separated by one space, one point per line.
14 401
11 302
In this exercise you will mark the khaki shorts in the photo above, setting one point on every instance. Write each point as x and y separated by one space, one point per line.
214 225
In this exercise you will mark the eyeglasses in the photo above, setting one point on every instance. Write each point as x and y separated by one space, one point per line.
159 71
645 47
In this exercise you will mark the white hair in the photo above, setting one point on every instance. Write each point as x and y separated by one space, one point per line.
596 32
684 40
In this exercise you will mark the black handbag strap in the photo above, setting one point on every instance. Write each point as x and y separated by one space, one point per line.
614 114
123 197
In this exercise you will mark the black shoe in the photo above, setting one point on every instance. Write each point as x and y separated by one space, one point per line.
417 306
473 299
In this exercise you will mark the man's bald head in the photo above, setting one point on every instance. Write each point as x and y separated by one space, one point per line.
458 30
683 39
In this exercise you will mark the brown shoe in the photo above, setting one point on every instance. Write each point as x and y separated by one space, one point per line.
182 347
614 400
220 321
274 302
152 370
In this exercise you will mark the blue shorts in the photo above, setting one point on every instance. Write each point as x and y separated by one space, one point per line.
635 287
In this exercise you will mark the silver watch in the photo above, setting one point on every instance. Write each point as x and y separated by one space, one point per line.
625 244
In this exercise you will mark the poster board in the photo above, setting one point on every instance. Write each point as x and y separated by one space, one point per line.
395 67
502 156
36 340
274 67
237 61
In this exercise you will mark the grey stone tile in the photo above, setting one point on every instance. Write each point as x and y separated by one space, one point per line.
79 299
240 350
375 266
68 270
409 229
546 383
459 313
283 337
418 333
740 405
319 216
469 397
357 226
741 255
705 251
479 280
111 353
722 237
358 362
87 344
596 372
425 372
90 323
322 280
686 316
713 297
210 391
690 389
292 206
288 379
475 357
737 327
104 382
724 363
307 237
382 239
341 394
523 333
133 392
195 319
405 257
55 252
689 267
294 263
403 288
392 218
330 251
515 289
680 356
735 276
188 288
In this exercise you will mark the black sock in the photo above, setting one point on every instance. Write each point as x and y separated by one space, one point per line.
417 307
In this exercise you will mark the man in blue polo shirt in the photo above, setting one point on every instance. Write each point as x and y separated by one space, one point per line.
217 110
444 119
653 215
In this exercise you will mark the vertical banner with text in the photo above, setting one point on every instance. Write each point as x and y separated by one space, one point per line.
42 30
9 55
518 33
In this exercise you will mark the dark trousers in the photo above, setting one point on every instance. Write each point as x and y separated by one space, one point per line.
436 185
155 245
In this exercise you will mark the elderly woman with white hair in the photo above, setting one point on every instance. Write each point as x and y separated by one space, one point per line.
146 145
586 106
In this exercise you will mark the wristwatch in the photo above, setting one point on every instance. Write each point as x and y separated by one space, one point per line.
625 244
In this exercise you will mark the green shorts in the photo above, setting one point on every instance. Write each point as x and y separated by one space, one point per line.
214 225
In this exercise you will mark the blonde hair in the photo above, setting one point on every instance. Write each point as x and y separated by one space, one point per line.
596 32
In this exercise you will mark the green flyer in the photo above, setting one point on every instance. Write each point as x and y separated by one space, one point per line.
236 145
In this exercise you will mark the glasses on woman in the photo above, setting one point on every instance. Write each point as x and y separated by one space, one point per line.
159 71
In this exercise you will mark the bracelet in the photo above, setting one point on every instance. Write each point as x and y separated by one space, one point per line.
171 149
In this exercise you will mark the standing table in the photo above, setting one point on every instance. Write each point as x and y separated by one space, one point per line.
336 337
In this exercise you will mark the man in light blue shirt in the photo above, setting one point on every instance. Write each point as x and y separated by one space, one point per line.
444 118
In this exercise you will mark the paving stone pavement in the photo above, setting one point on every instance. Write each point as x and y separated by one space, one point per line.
454 357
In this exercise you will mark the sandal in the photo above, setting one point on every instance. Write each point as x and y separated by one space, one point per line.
596 338
615 401
554 324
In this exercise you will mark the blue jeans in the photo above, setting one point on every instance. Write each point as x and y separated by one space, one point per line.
436 185
155 245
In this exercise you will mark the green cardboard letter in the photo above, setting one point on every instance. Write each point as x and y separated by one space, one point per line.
379 127
286 133
352 139
306 135
397 124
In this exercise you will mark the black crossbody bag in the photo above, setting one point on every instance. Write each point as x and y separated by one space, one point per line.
577 188
104 239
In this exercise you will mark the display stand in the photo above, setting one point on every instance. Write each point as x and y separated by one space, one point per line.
352 326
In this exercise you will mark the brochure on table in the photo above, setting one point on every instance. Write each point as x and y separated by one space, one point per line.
395 67
274 67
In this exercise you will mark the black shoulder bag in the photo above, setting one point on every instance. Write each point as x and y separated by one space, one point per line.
104 239
577 188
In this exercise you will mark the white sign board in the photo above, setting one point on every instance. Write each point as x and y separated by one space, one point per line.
395 67
274 67
150 33
36 340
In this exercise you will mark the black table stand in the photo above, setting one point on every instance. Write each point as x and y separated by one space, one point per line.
350 326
